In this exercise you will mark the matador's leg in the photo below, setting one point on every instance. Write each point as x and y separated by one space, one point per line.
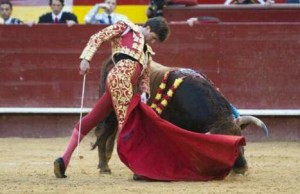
120 83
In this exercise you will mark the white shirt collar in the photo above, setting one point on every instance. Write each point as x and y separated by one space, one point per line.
57 16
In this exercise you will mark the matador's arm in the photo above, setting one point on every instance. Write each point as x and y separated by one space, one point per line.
103 35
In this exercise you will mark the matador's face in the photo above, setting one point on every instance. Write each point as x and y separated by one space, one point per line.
150 37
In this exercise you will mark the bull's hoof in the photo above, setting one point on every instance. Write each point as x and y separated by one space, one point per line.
241 170
105 171
136 177
59 168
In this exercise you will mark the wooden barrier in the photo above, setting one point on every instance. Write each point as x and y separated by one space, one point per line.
255 65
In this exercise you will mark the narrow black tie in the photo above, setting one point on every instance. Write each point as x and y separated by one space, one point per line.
109 19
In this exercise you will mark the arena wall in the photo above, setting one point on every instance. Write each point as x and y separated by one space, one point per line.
255 65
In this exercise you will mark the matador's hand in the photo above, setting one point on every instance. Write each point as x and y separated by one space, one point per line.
84 67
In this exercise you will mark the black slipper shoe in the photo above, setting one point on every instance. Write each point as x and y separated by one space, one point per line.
59 168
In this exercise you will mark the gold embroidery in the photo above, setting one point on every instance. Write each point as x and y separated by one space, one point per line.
120 87
135 45
103 35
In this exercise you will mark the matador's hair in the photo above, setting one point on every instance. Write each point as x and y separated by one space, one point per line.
159 26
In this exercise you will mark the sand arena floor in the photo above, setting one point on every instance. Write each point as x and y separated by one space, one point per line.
26 166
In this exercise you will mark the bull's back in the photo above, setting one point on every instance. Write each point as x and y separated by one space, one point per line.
196 105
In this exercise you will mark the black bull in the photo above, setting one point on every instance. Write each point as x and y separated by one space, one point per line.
195 106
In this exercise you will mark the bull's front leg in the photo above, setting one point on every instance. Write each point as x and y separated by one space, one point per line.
240 166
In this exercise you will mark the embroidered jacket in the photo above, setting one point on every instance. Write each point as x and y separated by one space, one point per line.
125 38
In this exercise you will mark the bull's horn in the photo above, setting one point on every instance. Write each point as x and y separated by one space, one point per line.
246 120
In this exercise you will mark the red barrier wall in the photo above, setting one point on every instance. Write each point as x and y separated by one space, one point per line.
40 67
256 65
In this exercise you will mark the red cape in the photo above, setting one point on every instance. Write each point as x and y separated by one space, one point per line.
158 150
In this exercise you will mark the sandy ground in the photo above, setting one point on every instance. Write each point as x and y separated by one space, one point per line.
26 166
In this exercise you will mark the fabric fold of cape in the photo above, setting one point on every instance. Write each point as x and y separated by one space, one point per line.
156 149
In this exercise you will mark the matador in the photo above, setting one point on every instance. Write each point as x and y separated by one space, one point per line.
131 54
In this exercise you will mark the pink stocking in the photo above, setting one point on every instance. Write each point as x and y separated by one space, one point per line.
102 108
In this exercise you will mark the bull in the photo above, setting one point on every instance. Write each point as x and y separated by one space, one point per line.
195 106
